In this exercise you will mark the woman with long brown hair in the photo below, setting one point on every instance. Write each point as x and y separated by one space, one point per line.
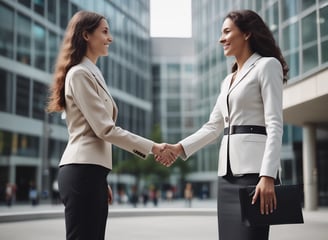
79 90
249 113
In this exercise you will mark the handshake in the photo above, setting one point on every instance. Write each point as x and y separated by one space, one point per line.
167 154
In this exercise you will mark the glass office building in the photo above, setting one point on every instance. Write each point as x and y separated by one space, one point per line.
175 100
31 141
174 86
301 29
174 72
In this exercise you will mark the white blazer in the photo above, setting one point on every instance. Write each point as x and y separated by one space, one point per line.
254 98
91 114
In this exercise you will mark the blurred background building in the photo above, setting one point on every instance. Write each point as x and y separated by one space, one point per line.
174 75
157 81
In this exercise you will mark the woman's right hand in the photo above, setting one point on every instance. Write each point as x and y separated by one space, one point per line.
171 150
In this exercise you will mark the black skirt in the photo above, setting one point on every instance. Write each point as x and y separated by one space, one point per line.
229 213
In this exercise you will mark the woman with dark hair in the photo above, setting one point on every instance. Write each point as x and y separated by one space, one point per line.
261 41
249 113
79 90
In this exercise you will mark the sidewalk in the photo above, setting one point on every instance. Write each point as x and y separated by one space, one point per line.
169 221
26 212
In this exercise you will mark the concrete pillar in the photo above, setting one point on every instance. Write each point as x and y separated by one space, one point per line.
12 173
310 177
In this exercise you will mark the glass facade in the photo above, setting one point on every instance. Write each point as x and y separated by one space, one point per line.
301 30
31 33
173 74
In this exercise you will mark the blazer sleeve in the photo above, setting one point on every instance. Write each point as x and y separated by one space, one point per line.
271 84
85 93
209 132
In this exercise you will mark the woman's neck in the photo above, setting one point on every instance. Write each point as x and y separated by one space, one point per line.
242 58
91 58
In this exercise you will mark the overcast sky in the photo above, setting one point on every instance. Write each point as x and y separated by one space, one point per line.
170 18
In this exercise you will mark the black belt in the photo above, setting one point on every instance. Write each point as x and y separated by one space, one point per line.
252 129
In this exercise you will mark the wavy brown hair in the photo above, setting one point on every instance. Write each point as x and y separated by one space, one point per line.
72 51
261 38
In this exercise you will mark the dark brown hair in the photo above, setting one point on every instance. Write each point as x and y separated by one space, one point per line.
261 38
72 51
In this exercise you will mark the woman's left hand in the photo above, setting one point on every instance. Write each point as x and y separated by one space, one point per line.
265 190
110 195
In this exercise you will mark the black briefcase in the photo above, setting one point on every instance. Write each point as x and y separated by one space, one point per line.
289 210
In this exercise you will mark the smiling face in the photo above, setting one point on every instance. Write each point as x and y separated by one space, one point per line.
98 41
233 40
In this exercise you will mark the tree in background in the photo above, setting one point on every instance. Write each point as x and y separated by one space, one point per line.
149 170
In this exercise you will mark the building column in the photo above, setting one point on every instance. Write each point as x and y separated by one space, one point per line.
12 173
310 168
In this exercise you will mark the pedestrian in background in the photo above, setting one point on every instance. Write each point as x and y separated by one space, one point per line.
188 194
80 92
33 194
10 194
249 113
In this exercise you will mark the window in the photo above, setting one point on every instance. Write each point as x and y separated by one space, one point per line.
39 34
53 50
156 72
173 70
292 60
63 13
323 21
26 3
74 9
188 122
173 105
297 134
310 58
289 8
309 28
307 4
6 36
272 17
189 67
173 81
173 86
55 148
258 5
22 96
290 39
52 10
39 6
6 86
174 137
25 145
324 52
23 39
285 137
309 40
5 143
39 100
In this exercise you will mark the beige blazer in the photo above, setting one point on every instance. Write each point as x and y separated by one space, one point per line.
91 114
255 98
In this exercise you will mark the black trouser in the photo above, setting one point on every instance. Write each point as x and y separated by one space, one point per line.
84 192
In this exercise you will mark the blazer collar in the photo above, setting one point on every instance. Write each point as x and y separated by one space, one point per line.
248 65
94 70
96 73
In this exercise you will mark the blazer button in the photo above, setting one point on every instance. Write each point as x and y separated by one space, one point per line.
226 119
